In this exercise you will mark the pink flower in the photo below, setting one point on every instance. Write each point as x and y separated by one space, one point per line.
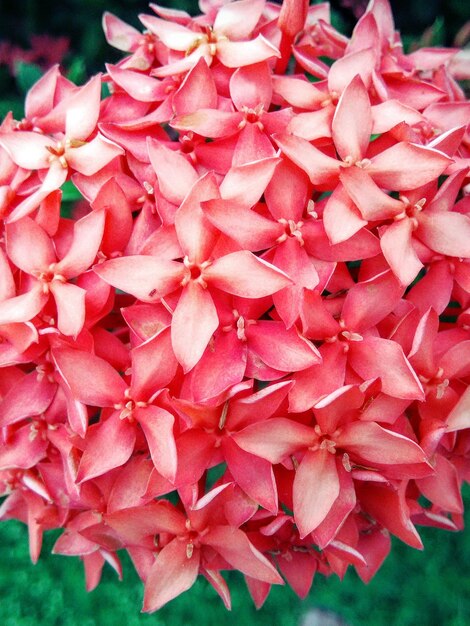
228 39
195 317
29 247
246 346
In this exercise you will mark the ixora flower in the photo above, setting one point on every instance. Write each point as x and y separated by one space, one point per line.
247 346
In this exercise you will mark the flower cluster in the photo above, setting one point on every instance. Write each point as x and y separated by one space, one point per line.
248 346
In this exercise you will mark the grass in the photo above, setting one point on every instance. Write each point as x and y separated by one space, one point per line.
413 588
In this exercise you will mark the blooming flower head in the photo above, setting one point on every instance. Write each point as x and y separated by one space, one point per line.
246 347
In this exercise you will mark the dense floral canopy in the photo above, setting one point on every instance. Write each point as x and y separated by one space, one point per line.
248 346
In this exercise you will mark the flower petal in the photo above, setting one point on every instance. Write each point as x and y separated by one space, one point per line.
249 229
139 86
351 139
109 444
459 417
375 357
157 425
321 168
119 34
70 302
246 184
195 233
173 35
172 573
153 365
316 487
372 202
424 165
24 307
234 546
369 302
7 283
253 474
389 507
209 123
145 277
86 240
275 439
194 322
243 274
94 155
344 70
375 444
445 232
175 173
28 246
250 86
28 150
281 349
241 53
222 365
397 248
83 110
341 218
197 91
29 397
238 20
92 379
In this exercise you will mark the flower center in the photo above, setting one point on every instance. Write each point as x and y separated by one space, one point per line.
128 406
187 142
331 98
241 324
345 336
252 116
325 441
208 38
194 272
291 229
12 480
436 383
47 276
45 370
410 211
192 538
349 161
58 152
148 41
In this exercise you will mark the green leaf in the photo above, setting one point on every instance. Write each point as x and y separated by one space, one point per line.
438 32
105 92
15 105
70 193
27 74
214 473
311 78
326 60
338 22
77 70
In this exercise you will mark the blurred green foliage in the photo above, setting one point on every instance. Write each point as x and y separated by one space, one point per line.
413 588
